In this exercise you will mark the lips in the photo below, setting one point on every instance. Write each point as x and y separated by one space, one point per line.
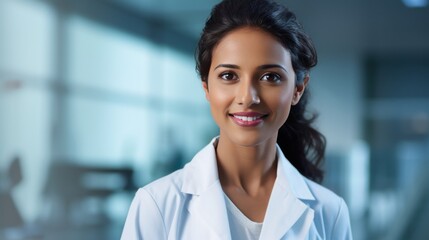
248 119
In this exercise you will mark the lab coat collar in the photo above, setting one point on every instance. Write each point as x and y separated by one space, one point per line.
289 178
202 172
287 211
201 179
286 208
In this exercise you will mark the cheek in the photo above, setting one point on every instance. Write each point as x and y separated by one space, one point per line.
284 107
281 103
219 94
219 100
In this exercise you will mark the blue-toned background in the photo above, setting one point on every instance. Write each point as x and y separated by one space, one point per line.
98 98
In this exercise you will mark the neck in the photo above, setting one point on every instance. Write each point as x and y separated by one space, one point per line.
246 167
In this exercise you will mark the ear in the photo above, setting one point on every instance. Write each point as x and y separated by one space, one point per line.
299 90
206 90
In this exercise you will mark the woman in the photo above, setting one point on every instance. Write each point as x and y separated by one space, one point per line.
254 60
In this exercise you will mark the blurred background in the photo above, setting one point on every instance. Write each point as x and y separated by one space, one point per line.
97 98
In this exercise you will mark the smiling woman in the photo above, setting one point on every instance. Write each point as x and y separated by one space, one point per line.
250 84
257 179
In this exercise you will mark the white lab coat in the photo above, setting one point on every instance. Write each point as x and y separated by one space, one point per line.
189 204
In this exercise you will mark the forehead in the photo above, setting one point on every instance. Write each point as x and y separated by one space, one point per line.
250 45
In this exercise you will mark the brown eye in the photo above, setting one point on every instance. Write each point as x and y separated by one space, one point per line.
271 77
228 76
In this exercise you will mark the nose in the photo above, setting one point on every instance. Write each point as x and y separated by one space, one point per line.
247 94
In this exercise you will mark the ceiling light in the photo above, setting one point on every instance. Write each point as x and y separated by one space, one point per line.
415 3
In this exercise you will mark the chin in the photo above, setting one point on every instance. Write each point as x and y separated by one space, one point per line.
248 139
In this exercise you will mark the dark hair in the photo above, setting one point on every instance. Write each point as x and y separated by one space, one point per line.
302 145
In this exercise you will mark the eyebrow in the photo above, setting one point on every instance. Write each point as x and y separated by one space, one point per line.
262 67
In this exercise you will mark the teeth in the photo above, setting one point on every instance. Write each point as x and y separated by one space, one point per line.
248 119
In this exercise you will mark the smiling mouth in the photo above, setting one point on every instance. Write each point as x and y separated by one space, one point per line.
248 119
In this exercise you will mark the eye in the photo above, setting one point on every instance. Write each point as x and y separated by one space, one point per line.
271 77
228 76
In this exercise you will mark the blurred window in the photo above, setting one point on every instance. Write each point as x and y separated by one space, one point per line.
128 98
27 57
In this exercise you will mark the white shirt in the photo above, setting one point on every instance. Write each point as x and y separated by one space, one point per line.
190 204
242 228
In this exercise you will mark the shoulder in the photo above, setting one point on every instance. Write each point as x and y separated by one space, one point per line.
324 197
166 187
171 191
165 194
154 208
331 211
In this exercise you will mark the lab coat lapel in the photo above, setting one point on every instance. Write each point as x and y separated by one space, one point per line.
207 203
210 207
287 214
